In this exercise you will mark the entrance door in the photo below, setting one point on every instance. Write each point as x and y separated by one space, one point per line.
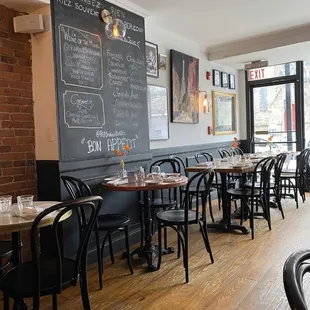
274 114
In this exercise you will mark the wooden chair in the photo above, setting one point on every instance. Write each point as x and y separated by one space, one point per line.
44 276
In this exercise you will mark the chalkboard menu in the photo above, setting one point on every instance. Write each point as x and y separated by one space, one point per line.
101 86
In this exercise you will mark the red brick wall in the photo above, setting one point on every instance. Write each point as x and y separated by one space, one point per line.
17 140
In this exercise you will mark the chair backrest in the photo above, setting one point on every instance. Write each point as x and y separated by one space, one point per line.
238 151
91 206
180 162
279 163
203 156
224 153
76 187
169 163
294 270
262 172
205 177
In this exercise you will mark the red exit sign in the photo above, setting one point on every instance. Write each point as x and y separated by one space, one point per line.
257 74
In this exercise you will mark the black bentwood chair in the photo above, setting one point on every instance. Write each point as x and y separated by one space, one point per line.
108 223
50 275
180 219
294 270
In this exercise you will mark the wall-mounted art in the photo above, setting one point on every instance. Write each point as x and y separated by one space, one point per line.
162 62
157 98
216 78
224 79
224 113
184 88
232 83
151 52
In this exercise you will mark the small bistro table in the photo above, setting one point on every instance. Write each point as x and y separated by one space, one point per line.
148 250
226 224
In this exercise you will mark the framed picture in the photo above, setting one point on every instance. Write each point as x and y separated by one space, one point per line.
157 98
224 113
184 70
216 78
224 79
162 62
151 52
232 81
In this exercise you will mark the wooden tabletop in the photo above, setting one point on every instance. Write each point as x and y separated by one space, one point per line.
223 168
141 186
9 223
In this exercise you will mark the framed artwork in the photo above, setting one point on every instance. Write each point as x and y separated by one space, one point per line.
223 113
184 70
151 52
232 84
216 78
162 62
157 98
224 79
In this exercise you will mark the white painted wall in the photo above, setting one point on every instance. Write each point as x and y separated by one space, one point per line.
242 104
187 134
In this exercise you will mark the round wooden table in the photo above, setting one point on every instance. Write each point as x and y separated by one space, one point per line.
148 250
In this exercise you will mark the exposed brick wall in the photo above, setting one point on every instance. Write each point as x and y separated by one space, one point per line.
17 140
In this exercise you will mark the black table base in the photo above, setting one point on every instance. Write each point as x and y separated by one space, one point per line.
228 227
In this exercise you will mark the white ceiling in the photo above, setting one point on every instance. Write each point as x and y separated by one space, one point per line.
24 5
213 22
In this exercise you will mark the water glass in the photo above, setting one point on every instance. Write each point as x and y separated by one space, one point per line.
231 160
5 204
238 158
156 173
217 162
25 201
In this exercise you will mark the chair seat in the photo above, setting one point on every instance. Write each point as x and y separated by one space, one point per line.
5 249
18 282
111 221
243 192
257 185
175 217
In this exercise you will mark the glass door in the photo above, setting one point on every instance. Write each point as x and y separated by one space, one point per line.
274 114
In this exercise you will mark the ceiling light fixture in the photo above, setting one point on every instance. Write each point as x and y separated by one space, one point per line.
114 28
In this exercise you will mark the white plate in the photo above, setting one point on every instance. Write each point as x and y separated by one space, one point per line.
173 174
110 179
153 182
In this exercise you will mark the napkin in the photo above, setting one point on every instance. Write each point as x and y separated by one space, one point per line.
27 213
206 164
172 179
119 182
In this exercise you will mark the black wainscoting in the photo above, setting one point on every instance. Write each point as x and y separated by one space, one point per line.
93 172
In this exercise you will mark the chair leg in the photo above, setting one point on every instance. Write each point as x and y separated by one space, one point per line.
6 302
84 288
99 258
141 228
128 249
252 218
102 249
179 243
111 248
210 208
186 253
55 307
204 232
159 245
219 198
278 201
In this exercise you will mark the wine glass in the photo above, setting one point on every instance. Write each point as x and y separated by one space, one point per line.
156 174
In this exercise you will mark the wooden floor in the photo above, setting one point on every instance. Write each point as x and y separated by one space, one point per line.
246 275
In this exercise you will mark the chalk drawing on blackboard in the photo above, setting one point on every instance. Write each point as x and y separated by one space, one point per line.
83 110
80 57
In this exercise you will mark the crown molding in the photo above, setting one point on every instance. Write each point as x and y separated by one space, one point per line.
128 5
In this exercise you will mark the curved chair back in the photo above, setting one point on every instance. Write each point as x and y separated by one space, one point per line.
198 180
224 153
180 163
91 206
295 267
203 156
238 151
279 163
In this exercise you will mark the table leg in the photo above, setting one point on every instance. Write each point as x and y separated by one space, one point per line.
17 258
226 224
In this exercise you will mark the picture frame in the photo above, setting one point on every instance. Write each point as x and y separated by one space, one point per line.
216 76
162 62
232 81
151 54
224 113
184 79
157 98
224 79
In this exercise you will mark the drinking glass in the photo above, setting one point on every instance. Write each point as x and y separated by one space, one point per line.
25 201
217 162
5 204
156 174
231 160
238 158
